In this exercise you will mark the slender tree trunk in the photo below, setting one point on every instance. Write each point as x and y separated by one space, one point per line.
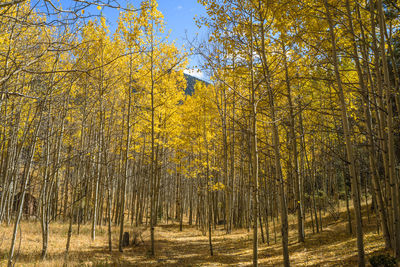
152 159
126 158
254 150
297 188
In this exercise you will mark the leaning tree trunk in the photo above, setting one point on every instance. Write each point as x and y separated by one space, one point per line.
26 178
370 136
278 168
390 133
349 146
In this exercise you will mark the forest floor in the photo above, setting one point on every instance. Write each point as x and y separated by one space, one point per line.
334 246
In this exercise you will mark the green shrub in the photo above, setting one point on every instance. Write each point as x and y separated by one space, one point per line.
382 260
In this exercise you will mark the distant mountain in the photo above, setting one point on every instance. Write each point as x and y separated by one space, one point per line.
190 82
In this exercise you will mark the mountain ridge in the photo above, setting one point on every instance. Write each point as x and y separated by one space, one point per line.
190 82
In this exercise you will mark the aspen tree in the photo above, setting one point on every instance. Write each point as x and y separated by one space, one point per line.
349 145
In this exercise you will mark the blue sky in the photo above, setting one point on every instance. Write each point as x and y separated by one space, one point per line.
178 17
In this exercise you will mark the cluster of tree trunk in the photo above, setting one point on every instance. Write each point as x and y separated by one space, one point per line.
325 91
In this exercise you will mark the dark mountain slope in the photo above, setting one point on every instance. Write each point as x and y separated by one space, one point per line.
190 82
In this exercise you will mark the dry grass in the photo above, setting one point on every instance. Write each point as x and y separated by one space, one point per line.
332 247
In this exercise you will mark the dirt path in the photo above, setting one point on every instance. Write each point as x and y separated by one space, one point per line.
190 248
332 247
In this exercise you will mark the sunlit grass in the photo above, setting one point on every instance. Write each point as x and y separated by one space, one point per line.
331 247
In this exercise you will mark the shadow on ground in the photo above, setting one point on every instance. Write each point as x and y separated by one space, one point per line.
334 246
